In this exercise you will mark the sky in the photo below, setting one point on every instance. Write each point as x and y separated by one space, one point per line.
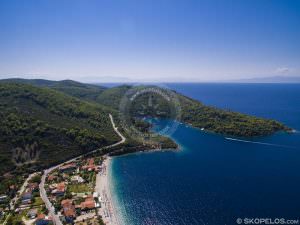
149 40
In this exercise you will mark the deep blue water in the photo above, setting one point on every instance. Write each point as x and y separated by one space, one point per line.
213 180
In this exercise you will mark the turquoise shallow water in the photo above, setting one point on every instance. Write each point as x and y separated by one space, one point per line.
213 180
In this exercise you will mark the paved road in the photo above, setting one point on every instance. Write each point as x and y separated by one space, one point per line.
46 172
43 194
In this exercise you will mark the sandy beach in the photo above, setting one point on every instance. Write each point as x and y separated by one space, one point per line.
107 210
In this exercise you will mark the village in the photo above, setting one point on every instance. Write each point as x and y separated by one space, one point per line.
75 192
71 190
27 207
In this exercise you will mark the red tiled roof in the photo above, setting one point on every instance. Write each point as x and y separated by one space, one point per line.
68 207
66 202
90 164
51 177
70 165
41 216
61 187
89 198
87 204
33 185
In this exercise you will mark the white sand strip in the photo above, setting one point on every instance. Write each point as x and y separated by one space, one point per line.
107 210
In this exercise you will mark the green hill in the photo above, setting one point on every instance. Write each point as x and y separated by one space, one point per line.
210 118
193 112
44 126
70 87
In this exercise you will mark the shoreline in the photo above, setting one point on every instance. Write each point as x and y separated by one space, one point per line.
103 188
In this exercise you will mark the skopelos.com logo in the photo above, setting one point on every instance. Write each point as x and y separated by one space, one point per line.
270 221
149 111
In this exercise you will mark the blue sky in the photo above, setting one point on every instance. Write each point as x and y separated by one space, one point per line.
155 40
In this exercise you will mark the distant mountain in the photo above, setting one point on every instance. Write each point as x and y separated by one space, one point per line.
273 79
74 88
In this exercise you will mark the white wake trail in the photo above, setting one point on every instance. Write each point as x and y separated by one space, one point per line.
257 142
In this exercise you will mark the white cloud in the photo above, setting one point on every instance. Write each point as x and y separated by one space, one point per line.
283 70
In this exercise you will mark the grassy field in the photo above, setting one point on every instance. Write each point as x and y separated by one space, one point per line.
79 188
38 201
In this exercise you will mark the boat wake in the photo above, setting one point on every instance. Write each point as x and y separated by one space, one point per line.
259 143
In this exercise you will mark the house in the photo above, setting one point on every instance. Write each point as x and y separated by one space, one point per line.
26 197
90 166
77 179
60 189
43 220
32 213
41 216
33 186
51 178
69 210
68 168
88 204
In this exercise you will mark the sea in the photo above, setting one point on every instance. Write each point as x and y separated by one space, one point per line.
214 180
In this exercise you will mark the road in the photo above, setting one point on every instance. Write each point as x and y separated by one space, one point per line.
123 139
22 189
47 171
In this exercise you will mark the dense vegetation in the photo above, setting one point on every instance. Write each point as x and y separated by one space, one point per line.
40 126
73 88
193 112
226 122
201 116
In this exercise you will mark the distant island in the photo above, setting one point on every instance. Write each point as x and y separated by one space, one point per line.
271 79
47 122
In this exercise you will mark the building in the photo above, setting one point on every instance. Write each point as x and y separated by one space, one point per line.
68 168
77 179
51 178
60 189
68 209
43 220
90 166
26 197
33 186
88 204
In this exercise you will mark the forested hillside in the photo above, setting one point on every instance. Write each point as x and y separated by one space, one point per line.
43 126
193 112
210 118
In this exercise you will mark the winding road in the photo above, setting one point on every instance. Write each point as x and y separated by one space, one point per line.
47 171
